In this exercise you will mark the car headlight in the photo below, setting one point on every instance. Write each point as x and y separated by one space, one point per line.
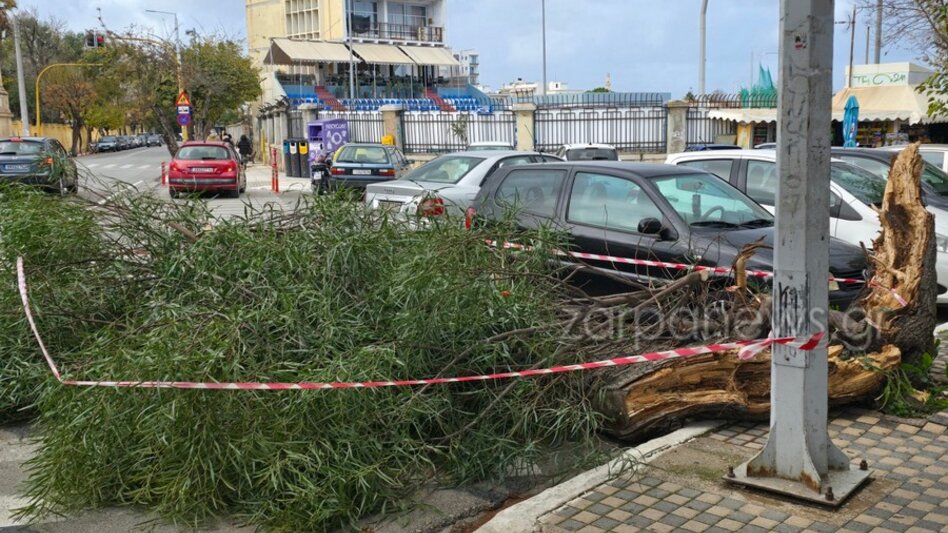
942 242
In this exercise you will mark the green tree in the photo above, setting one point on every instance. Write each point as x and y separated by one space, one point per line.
219 78
600 90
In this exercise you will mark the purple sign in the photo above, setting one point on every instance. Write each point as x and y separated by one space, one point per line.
325 137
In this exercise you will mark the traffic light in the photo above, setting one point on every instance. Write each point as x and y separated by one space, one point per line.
94 40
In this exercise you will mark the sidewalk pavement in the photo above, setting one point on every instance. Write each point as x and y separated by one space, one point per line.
682 489
259 178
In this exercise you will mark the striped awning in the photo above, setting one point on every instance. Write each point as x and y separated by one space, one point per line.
381 54
293 52
430 55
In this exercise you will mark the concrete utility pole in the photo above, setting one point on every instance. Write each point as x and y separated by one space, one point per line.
351 57
878 55
21 81
799 458
543 18
702 36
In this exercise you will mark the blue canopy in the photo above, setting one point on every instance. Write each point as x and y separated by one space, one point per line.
850 122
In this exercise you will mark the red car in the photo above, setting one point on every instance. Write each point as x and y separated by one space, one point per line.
206 166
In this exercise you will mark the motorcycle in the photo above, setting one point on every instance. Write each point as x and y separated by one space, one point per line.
319 176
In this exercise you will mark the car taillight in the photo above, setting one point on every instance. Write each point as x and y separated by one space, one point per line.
335 171
387 172
469 217
174 165
432 206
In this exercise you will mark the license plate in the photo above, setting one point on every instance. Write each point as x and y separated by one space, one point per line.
202 170
389 205
361 172
17 168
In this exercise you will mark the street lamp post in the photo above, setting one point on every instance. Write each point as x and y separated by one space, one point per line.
21 80
702 25
177 54
543 17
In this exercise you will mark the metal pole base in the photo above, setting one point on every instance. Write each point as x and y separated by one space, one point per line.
837 485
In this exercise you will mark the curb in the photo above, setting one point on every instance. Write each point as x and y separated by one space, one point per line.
524 515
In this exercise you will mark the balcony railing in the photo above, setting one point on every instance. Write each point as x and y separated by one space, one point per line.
400 32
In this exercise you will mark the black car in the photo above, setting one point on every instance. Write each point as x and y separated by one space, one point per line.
37 161
153 140
655 212
877 161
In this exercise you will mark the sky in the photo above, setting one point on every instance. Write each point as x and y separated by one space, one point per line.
646 45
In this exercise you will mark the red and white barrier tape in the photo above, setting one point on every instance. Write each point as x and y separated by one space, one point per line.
717 270
747 350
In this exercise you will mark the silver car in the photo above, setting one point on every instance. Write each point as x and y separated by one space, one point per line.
446 185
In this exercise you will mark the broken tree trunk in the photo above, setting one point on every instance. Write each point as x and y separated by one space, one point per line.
642 399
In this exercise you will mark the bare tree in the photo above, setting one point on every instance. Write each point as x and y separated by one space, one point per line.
918 24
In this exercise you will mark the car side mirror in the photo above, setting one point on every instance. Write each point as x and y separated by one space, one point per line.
650 226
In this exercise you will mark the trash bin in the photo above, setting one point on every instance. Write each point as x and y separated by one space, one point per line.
293 169
302 153
286 157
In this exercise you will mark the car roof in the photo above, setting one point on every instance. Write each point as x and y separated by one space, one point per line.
642 170
588 145
758 153
16 138
873 153
205 143
368 145
491 143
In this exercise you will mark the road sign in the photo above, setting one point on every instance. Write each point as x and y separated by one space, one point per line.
184 110
184 120
183 99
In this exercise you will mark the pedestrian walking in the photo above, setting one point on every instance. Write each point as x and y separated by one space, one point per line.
245 148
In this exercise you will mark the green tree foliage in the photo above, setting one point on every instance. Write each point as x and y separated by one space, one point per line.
219 79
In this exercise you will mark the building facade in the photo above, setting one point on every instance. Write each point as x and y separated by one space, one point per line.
470 66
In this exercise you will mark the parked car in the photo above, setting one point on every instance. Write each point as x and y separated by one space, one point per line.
854 192
200 166
765 146
40 161
153 140
588 152
645 211
141 140
934 154
108 143
934 194
484 146
706 147
448 184
357 165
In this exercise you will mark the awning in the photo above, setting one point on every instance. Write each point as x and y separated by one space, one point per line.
290 52
745 115
381 54
431 55
889 102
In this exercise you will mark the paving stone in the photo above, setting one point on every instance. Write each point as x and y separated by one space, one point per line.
585 517
606 523
698 505
765 523
731 503
619 515
786 528
798 522
823 527
571 525
677 499
599 509
666 507
729 524
696 527
632 507
774 515
625 528
673 520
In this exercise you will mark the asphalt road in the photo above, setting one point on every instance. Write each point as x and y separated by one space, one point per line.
138 171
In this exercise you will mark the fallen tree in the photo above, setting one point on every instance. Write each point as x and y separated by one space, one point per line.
641 399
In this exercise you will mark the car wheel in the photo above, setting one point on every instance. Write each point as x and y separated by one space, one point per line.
235 193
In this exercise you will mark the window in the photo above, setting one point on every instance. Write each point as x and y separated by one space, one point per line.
705 200
532 190
719 167
513 161
203 153
879 168
864 185
592 154
543 158
407 15
609 202
934 158
762 182
362 154
444 169
364 16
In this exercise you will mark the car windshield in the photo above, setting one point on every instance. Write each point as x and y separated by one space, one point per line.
203 153
107 139
867 187
479 147
448 169
20 147
592 154
706 200
938 179
362 154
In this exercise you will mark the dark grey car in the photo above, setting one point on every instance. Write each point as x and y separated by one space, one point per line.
360 164
41 161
